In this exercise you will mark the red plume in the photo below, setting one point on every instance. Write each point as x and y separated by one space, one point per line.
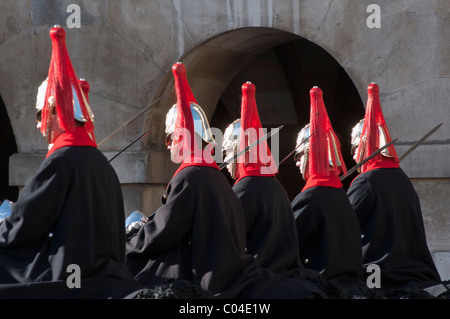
322 140
258 161
184 119
62 82
370 135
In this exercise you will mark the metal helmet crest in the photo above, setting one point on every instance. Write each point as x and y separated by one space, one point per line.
357 140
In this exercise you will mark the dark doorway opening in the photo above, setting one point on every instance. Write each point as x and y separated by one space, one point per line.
8 147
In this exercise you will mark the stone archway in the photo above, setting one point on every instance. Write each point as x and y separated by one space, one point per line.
210 67
284 67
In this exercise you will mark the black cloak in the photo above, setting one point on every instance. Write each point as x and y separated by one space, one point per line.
389 212
270 226
329 237
198 234
70 213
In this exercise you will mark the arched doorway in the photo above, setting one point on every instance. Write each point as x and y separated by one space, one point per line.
284 67
8 147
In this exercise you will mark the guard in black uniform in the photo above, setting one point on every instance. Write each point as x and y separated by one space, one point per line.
65 237
270 227
328 231
388 208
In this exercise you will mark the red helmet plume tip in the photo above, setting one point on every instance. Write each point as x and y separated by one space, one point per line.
249 111
183 89
248 88
317 104
373 89
315 89
57 33
179 70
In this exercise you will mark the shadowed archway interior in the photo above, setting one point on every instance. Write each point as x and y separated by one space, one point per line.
8 147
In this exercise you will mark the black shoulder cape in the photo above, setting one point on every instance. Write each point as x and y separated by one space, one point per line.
198 234
388 209
328 233
70 213
270 226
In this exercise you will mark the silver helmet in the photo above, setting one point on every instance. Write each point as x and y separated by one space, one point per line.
201 124
302 149
357 136
301 153
230 144
77 113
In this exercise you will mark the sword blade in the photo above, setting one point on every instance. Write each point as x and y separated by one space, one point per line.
272 132
414 146
129 145
354 168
